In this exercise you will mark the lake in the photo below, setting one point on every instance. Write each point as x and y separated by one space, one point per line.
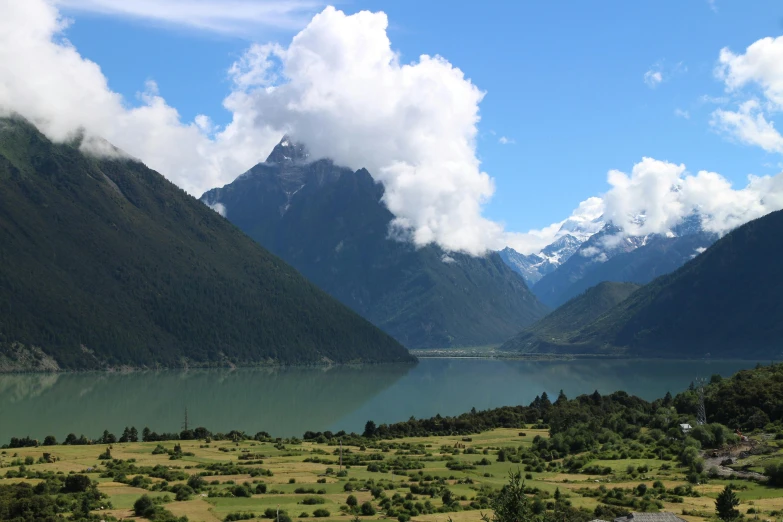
288 402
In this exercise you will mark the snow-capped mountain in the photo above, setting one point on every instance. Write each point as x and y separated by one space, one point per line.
612 256
533 267
574 231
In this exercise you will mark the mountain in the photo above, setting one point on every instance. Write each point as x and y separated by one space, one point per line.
330 223
660 255
569 318
609 256
533 267
725 302
104 263
598 248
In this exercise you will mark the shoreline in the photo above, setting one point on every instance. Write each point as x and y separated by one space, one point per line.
419 354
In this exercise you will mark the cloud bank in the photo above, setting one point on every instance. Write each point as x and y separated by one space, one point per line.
657 195
339 87
45 79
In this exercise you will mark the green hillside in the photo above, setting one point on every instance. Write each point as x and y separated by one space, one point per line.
557 327
106 263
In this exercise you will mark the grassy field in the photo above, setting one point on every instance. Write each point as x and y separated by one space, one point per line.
289 471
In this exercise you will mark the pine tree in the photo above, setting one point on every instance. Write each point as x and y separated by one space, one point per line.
511 504
725 505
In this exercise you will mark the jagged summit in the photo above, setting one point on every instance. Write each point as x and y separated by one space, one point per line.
288 152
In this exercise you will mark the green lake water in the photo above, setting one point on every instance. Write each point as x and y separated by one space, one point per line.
289 402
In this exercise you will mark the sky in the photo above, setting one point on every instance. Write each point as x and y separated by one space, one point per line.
519 111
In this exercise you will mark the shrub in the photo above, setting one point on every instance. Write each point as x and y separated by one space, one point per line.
144 507
321 513
76 483
367 509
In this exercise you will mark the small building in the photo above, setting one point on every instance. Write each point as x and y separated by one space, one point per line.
686 428
649 517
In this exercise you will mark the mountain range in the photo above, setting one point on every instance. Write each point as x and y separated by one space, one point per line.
331 224
104 263
724 302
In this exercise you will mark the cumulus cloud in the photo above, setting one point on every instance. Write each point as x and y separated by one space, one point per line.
234 17
760 67
45 79
760 64
340 88
657 195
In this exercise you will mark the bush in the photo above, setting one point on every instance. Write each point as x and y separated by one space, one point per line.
311 501
351 501
144 507
320 513
76 483
367 509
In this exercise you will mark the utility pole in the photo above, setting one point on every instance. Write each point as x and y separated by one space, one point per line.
701 416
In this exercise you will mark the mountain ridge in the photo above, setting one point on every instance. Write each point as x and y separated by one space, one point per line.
335 230
105 263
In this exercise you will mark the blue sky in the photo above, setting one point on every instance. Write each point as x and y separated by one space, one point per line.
202 89
564 81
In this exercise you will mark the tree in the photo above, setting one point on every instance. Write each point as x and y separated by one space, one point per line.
447 498
145 434
143 507
351 501
76 483
561 398
134 434
725 505
369 429
367 509
511 504
50 441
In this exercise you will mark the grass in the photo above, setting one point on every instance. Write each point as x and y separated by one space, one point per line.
288 463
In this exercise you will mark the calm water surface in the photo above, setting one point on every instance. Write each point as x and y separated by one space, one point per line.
291 401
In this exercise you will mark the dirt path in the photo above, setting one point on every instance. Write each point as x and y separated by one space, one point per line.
723 471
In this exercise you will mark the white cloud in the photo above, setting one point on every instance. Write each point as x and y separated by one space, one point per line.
506 141
749 125
447 259
653 78
589 251
584 221
680 113
761 64
45 79
235 17
713 5
340 88
220 208
665 193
